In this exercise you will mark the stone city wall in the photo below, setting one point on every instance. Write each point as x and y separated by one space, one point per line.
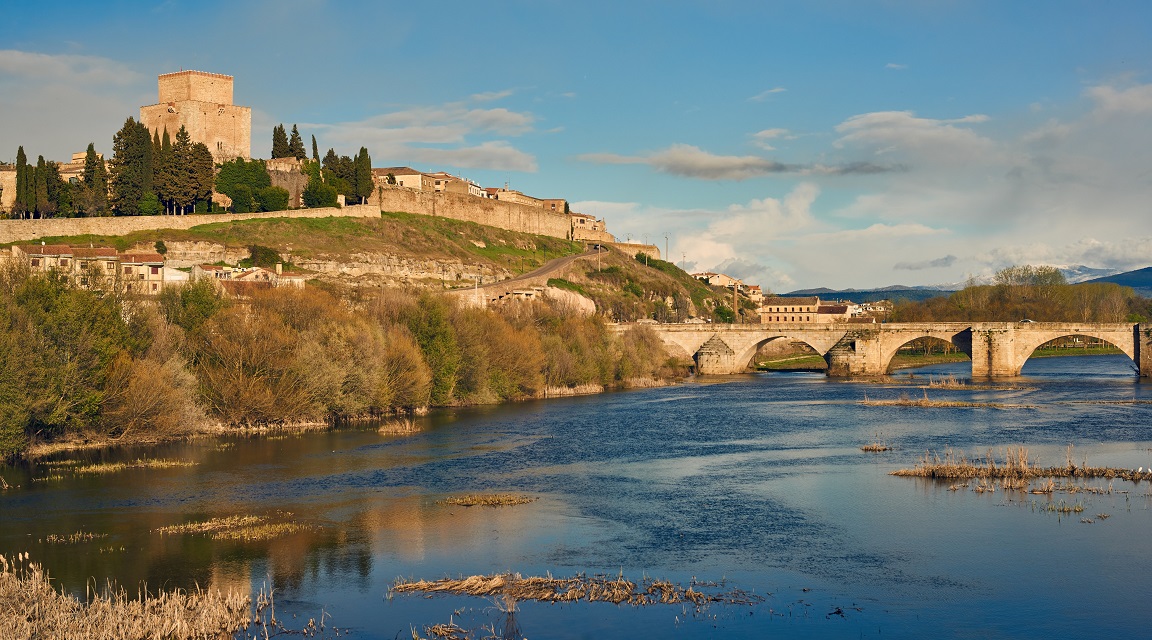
12 231
494 213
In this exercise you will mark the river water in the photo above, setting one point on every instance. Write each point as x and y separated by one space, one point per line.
757 482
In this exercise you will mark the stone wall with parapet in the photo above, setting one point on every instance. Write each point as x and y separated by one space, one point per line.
458 206
24 230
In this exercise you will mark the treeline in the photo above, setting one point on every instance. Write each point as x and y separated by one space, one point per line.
89 362
154 174
1034 293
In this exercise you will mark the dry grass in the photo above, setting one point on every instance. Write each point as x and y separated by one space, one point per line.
100 468
511 587
946 382
398 427
247 528
1015 465
73 538
31 608
487 500
906 401
877 445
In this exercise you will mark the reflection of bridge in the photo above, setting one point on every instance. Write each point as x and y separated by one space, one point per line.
996 348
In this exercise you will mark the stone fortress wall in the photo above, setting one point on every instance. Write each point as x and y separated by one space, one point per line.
460 206
24 230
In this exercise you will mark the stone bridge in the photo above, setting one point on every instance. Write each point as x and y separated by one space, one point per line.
996 348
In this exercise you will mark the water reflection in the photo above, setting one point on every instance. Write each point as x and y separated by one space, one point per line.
759 480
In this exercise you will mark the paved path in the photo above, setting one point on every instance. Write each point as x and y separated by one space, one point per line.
536 278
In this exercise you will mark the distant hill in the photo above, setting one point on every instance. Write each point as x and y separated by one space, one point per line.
1140 280
896 292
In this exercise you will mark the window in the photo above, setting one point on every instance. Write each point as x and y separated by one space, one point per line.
63 262
127 271
155 270
35 262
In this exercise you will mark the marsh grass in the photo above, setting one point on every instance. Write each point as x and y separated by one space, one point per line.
907 401
512 588
248 528
487 500
73 538
33 608
75 468
1015 465
946 382
877 445
399 427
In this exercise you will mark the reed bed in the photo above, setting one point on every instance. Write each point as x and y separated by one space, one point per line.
399 427
906 401
73 538
30 607
946 382
877 445
247 528
101 468
486 500
511 587
1015 465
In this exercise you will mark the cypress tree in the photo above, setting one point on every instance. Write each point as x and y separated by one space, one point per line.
296 145
202 170
315 150
95 179
41 186
184 191
131 172
23 184
280 142
362 185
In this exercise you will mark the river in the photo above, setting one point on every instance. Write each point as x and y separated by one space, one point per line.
755 481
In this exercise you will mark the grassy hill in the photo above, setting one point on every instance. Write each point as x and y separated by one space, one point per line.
623 287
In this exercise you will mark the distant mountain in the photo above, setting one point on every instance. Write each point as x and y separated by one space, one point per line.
1140 280
895 292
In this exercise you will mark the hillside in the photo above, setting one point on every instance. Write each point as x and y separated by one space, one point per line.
437 253
1140 280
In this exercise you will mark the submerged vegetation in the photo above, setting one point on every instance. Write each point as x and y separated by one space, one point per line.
487 500
248 528
618 590
93 364
1014 464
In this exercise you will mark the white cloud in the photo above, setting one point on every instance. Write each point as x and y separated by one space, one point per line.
42 68
764 95
762 138
441 135
488 96
1110 100
896 66
903 135
689 161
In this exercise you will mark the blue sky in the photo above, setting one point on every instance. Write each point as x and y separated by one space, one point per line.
836 143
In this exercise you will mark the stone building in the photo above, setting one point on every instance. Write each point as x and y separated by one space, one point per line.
137 271
201 102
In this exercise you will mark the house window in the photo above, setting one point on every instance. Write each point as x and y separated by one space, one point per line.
127 270
154 286
35 262
63 262
155 270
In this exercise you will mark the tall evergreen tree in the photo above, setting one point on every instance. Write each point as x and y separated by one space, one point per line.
95 180
131 171
164 172
296 145
184 191
279 142
315 150
202 169
24 198
363 175
44 207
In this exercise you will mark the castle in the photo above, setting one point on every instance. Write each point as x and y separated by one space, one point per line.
202 103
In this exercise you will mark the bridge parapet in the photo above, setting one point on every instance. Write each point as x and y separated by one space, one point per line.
996 348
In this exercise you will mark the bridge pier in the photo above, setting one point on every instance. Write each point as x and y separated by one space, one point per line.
1144 349
858 353
994 350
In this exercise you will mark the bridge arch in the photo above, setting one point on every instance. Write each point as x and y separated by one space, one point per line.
820 343
1120 337
959 336
928 343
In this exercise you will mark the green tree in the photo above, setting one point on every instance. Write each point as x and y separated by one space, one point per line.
44 206
25 190
165 171
428 322
132 167
252 175
202 171
315 150
271 198
296 145
95 180
317 194
363 185
280 142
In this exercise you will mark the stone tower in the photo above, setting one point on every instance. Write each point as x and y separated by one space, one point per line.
202 103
